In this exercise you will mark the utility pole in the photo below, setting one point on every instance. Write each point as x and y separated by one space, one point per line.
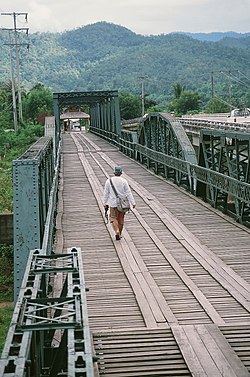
142 95
13 89
17 44
212 89
229 86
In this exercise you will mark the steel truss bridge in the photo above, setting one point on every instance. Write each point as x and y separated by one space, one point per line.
49 334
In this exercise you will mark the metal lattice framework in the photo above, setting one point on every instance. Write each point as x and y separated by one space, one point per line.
227 153
162 133
222 176
104 111
49 333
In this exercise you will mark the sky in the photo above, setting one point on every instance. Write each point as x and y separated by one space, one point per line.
147 17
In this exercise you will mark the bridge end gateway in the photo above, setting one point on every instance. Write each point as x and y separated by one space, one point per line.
104 111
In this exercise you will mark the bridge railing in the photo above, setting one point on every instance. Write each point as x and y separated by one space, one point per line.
200 181
199 124
110 136
232 186
35 179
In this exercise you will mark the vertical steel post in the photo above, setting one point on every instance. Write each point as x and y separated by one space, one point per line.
117 117
26 219
57 121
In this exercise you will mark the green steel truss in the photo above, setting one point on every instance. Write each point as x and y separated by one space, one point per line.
229 154
222 176
104 111
33 174
49 332
162 133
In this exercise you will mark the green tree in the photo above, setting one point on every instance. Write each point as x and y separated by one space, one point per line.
38 101
6 105
217 105
178 90
130 105
248 98
187 102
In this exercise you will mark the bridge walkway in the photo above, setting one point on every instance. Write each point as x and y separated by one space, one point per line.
172 298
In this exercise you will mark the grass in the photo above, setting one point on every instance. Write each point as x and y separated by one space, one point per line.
6 311
17 144
6 290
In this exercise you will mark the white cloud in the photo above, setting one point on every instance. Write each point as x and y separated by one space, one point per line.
140 16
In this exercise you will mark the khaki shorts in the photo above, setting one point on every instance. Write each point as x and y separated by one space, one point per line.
114 214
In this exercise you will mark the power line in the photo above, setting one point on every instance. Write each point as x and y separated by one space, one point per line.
142 94
234 78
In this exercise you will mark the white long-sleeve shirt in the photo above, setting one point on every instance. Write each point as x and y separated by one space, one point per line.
122 188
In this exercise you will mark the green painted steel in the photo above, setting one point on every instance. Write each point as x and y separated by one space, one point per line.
103 108
222 175
105 117
228 153
56 104
49 225
32 180
34 347
162 133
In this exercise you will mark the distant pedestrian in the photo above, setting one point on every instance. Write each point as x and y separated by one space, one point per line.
121 185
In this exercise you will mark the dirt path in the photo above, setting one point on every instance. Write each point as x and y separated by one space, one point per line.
6 303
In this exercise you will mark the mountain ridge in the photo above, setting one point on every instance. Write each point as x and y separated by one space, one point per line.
104 56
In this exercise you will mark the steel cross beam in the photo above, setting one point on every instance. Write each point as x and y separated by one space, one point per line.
49 334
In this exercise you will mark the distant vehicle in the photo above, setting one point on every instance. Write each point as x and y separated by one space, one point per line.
244 112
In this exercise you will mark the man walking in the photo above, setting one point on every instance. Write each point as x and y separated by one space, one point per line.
122 188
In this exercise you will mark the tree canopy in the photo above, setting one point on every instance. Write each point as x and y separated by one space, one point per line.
37 104
105 56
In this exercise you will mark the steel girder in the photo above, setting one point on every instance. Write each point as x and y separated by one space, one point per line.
227 153
49 333
104 111
161 133
33 174
105 118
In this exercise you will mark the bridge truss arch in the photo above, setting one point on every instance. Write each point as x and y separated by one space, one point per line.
164 147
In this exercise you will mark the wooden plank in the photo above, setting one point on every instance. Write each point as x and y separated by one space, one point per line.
162 287
235 362
189 283
182 233
189 354
215 350
159 317
201 351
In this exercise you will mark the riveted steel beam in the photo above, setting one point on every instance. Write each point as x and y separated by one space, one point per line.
33 174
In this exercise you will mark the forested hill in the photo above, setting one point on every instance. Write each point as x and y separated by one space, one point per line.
217 36
108 56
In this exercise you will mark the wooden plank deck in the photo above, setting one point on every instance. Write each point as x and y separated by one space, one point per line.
172 298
